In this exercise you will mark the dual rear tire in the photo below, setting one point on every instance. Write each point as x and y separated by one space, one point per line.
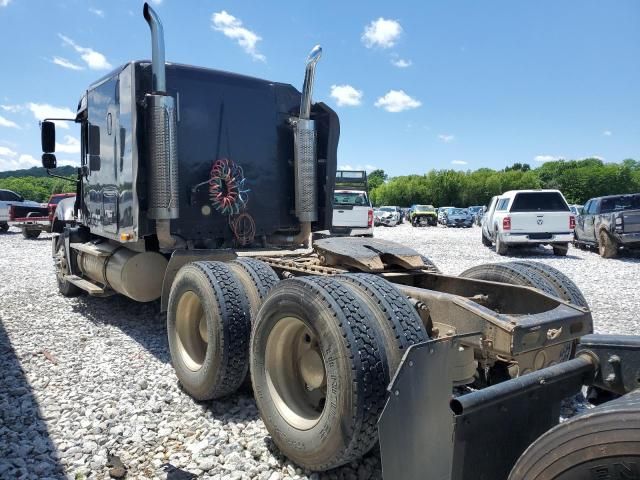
321 351
211 306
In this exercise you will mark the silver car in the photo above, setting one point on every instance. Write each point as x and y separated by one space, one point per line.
458 217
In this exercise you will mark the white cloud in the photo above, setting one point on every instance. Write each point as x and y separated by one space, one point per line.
546 158
397 101
446 138
66 161
94 60
4 122
12 108
70 145
28 161
367 167
401 63
381 33
23 161
63 62
44 110
98 12
231 27
607 133
346 95
7 152
4 3
459 162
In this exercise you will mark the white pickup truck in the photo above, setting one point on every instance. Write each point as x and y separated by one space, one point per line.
528 217
352 212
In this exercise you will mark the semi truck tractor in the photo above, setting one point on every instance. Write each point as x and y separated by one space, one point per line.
201 190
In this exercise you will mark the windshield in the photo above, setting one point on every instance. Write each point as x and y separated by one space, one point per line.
458 211
350 198
424 207
539 202
55 200
616 204
387 209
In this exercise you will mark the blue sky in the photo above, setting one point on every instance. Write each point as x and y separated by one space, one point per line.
418 85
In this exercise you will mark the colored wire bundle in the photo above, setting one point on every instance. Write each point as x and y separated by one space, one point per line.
227 189
243 228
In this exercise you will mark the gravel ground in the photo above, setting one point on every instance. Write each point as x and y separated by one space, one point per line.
84 378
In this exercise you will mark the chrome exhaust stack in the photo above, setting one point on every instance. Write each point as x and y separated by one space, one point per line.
162 139
305 147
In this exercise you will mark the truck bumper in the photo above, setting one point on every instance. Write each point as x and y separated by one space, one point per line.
514 238
628 238
464 224
37 224
352 232
387 222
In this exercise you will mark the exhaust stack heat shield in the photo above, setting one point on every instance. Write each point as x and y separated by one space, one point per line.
163 157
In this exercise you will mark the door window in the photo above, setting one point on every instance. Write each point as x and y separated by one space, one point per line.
502 204
8 196
593 207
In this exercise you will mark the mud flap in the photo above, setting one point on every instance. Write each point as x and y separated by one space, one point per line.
424 433
416 425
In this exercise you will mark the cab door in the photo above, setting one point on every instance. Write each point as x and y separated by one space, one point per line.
589 221
487 222
102 193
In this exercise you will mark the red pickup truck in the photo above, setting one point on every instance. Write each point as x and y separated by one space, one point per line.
33 220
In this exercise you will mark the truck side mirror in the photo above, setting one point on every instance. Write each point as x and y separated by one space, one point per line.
48 137
49 161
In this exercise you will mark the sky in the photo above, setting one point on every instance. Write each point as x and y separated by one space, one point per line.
418 85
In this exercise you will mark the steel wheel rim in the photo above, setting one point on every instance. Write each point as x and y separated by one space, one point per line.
296 373
61 260
192 334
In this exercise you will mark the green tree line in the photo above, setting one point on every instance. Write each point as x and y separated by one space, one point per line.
38 189
578 180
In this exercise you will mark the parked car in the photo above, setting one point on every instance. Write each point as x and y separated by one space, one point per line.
387 216
395 212
442 213
352 213
609 223
528 217
34 220
8 199
459 217
476 211
421 215
576 209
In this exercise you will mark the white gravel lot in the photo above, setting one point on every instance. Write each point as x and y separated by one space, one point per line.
83 377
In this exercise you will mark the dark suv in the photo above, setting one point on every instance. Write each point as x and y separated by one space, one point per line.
609 223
